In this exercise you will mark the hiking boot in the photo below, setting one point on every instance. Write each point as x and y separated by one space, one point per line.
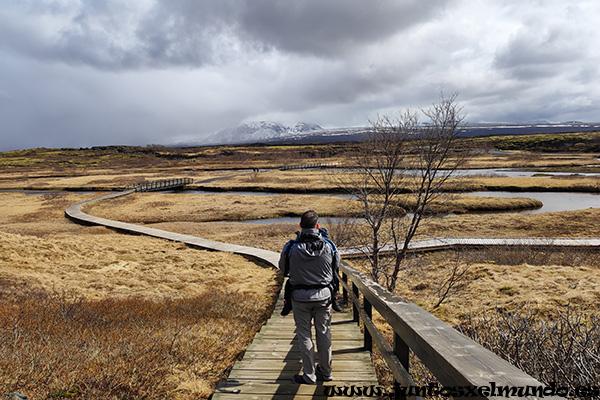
287 307
300 380
335 304
321 376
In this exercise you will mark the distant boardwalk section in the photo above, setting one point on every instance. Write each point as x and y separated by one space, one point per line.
162 184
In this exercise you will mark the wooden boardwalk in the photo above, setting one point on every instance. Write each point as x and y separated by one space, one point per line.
266 370
273 358
450 243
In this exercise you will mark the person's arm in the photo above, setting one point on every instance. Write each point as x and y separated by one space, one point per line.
284 264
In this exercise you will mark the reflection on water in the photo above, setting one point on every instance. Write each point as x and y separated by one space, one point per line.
553 201
515 173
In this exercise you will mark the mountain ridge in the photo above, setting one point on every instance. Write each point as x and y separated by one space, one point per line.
301 132
258 131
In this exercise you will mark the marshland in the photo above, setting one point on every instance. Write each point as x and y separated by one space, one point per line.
87 312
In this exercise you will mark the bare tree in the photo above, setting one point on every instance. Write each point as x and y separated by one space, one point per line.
454 279
402 168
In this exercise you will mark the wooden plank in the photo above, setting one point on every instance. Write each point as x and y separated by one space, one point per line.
342 334
290 336
340 345
286 375
280 397
337 355
268 365
251 390
283 388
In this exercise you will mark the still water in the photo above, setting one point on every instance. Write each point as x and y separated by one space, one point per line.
552 201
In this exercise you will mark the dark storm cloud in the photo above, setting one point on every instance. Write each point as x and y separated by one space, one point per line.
327 28
115 35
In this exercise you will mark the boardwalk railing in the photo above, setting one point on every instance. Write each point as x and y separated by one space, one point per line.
162 184
309 166
455 360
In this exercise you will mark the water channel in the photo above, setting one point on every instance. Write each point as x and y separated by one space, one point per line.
552 201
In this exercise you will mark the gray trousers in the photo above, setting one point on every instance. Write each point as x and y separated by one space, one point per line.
304 313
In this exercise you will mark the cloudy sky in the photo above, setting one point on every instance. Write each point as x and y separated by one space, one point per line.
81 73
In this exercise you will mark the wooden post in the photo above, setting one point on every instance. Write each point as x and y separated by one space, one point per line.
355 310
344 291
368 339
402 351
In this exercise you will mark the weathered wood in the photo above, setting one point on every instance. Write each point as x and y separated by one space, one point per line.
398 368
453 358
435 244
254 388
285 376
345 345
162 184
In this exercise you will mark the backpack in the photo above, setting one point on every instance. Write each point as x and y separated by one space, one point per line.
306 238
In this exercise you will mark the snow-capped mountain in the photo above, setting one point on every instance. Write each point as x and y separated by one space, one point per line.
272 132
263 131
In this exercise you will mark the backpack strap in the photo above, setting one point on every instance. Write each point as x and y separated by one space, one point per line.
288 251
332 246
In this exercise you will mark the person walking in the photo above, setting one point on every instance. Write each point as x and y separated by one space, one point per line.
312 262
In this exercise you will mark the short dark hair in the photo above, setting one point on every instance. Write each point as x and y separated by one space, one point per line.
309 219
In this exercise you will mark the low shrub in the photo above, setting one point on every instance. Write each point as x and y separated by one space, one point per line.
56 345
564 349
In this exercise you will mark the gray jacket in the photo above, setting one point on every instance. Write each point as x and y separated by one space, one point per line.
311 262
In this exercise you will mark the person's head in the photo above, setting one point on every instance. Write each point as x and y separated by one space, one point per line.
309 219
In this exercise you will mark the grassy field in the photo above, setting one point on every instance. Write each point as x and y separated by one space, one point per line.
581 142
91 313
176 207
191 214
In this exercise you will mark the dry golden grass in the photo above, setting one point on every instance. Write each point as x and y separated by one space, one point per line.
96 180
576 224
163 207
327 181
460 203
56 345
557 183
117 266
189 313
507 279
309 181
268 236
523 159
295 180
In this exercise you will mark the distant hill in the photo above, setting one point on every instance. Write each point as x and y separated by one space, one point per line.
273 132
263 131
527 128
